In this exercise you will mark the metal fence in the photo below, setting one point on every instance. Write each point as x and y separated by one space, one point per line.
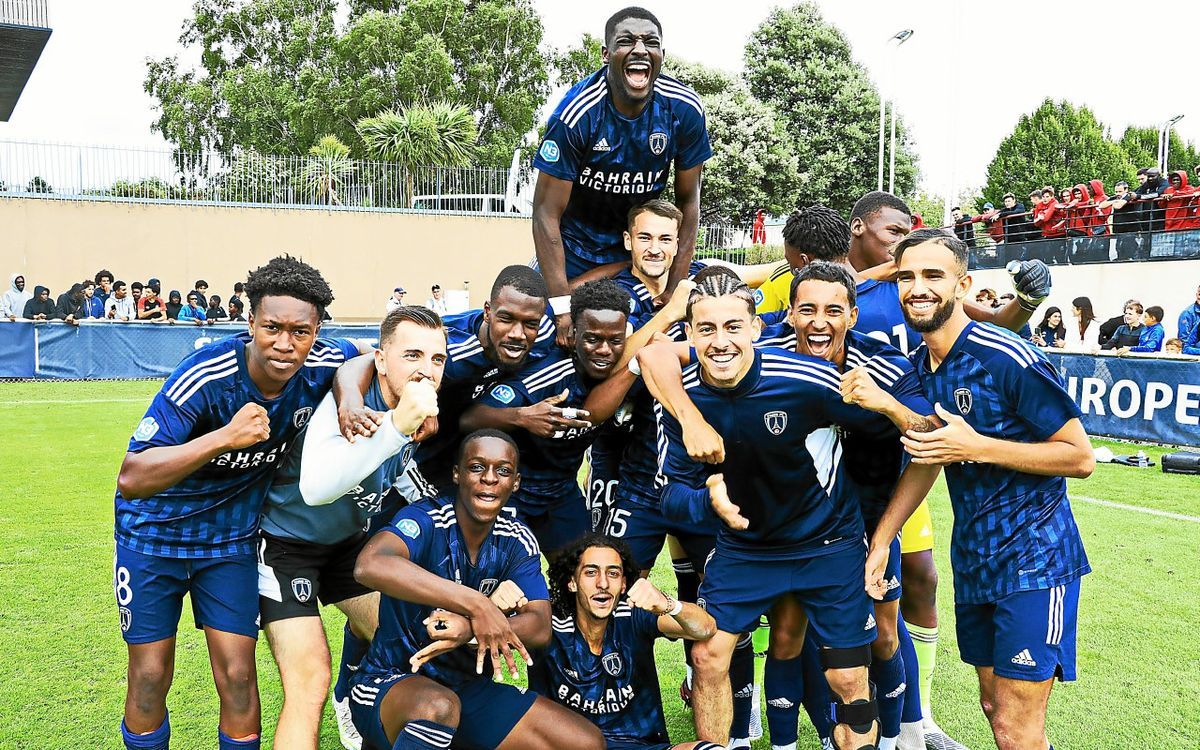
25 13
46 170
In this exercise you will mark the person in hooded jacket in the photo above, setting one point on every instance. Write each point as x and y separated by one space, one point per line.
1179 204
39 307
174 305
1153 218
69 306
1102 206
1083 218
12 304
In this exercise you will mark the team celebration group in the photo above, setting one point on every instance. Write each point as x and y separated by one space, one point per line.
776 427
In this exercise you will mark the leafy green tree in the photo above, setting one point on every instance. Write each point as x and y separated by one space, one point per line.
1058 144
1141 145
436 135
38 184
575 63
326 170
803 66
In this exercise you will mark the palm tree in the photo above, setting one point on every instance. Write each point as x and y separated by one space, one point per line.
421 136
326 170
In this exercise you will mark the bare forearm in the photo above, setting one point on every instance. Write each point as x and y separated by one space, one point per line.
689 205
663 376
913 487
1011 316
692 623
604 400
155 469
481 417
548 247
353 380
906 419
532 624
1054 458
401 578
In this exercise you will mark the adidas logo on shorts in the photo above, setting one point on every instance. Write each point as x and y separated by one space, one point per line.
870 622
745 692
893 583
780 703
1024 659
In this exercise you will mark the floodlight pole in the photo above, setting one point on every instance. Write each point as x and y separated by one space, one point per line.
900 37
1164 142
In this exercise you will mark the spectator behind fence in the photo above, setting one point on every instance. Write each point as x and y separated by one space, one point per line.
437 300
12 304
1153 219
1192 345
990 218
1126 221
104 284
236 306
39 306
69 306
1017 227
1101 205
1083 334
1051 332
963 228
1189 319
92 306
214 312
1150 339
120 305
135 294
174 305
1173 346
192 312
1081 214
201 290
397 299
150 306
239 293
1179 204
156 285
1047 217
1109 327
1129 333
986 297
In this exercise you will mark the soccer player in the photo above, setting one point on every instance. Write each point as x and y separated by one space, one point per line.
314 519
609 145
549 500
789 529
461 584
600 662
190 490
1011 435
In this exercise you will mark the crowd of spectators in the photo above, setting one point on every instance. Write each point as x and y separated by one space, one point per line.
1157 204
103 298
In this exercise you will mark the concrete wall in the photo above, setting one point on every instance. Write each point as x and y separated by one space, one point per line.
1169 284
363 255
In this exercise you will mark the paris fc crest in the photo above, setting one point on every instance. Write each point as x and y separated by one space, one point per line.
776 421
612 664
302 588
658 143
963 400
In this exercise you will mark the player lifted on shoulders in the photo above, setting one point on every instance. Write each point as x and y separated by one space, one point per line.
190 490
600 662
461 584
1011 435
610 145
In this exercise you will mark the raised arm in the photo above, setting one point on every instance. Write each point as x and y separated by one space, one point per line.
676 619
662 372
550 198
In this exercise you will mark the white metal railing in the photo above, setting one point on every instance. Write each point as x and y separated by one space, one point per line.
25 13
49 170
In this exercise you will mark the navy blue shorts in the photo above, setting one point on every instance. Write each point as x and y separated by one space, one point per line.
1029 635
830 587
557 525
891 572
645 529
150 590
489 710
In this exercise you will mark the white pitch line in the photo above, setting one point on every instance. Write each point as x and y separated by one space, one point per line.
79 401
1136 508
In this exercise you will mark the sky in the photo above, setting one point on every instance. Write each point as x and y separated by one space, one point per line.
961 82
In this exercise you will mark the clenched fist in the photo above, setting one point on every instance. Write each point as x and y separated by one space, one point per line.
860 389
418 402
249 426
645 595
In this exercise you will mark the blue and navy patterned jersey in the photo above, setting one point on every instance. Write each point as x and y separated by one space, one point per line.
213 512
469 372
1012 531
285 514
872 463
617 690
615 163
429 528
783 455
881 316
549 466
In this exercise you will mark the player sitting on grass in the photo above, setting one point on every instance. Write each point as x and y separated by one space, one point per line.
190 491
600 662
422 684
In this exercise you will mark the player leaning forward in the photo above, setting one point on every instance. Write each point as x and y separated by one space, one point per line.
1012 434
190 490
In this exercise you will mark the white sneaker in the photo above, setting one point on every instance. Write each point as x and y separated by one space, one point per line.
936 739
756 724
351 739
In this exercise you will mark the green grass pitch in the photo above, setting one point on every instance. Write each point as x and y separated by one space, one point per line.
63 661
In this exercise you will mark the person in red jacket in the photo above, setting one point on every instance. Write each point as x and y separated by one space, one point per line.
1179 203
1103 208
1051 219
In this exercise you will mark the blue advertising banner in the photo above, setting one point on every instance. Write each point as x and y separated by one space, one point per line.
1136 398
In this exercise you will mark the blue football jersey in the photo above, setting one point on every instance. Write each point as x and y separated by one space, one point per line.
549 466
429 528
285 514
213 512
469 372
616 690
1012 531
782 462
615 163
880 315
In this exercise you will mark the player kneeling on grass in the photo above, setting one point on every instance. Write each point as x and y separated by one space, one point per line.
314 521
600 662
422 683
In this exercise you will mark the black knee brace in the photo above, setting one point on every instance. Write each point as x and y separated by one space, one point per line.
860 715
846 658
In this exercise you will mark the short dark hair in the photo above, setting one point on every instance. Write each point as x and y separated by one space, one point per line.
719 281
193 295
522 278
417 314
818 231
658 207
601 294
1155 312
1008 195
214 299
956 208
487 432
285 276
118 284
821 270
876 201
563 565
200 283
239 287
941 237
101 274
1048 191
137 285
88 282
237 302
633 11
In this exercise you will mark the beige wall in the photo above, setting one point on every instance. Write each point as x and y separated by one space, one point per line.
363 255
